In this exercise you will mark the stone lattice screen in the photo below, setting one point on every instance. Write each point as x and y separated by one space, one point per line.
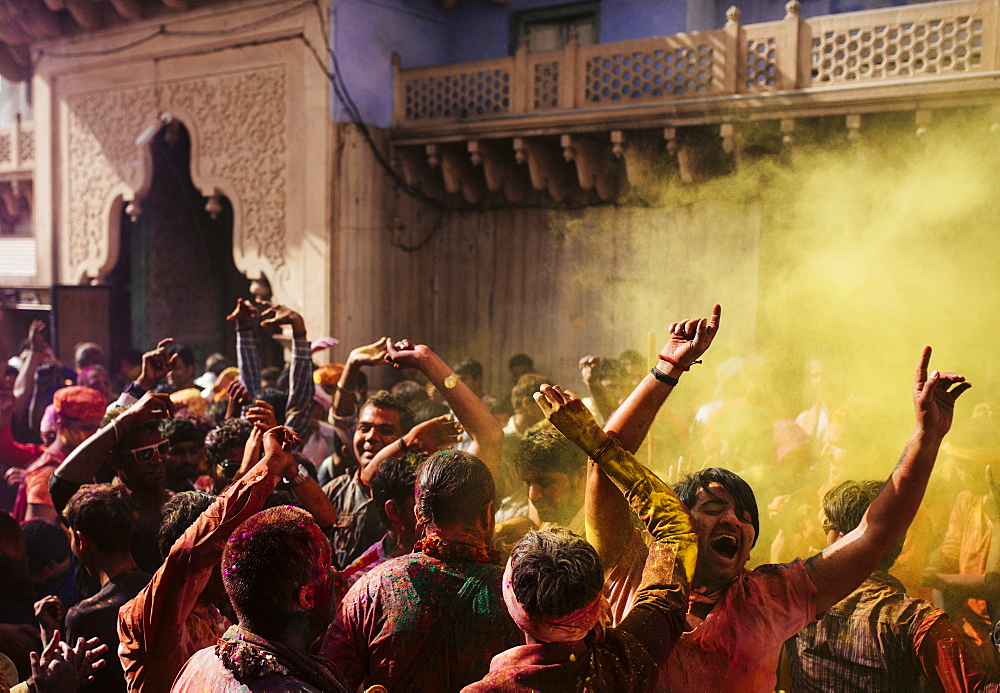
674 66
17 147
761 46
470 89
937 40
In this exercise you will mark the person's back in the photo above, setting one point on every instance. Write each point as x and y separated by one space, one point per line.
866 642
877 638
433 619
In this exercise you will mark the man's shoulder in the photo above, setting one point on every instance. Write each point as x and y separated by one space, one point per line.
341 484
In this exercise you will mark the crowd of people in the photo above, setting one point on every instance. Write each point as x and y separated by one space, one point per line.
287 529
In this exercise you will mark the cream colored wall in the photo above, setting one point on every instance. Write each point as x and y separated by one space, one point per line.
258 119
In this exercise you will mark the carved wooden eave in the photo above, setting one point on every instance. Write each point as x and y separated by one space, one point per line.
678 101
25 22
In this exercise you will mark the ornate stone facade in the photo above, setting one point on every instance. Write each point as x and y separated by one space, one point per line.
238 127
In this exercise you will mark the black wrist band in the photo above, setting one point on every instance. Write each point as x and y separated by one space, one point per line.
663 377
299 335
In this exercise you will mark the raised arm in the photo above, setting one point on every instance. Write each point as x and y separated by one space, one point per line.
82 464
300 386
345 400
247 360
25 382
842 566
486 434
439 433
657 616
607 513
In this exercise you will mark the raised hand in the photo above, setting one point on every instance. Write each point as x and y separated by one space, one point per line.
238 396
243 313
278 443
405 354
84 657
261 415
156 364
152 405
689 339
934 396
439 433
49 612
38 335
568 414
370 354
277 314
590 369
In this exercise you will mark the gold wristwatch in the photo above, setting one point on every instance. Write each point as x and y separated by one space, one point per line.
450 381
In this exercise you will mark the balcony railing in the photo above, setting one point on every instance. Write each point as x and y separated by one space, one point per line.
938 41
17 149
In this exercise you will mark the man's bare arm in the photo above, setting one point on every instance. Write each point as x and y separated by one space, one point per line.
607 512
486 434
841 567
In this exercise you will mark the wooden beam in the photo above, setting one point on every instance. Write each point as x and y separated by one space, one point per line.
643 159
546 166
459 175
412 166
500 170
593 164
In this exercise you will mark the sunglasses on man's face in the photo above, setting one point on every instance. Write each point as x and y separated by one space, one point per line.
146 454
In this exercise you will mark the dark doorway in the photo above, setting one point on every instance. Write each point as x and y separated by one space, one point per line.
175 276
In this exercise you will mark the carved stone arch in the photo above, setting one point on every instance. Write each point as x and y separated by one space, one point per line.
237 122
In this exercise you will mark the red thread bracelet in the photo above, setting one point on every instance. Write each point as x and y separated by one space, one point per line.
672 362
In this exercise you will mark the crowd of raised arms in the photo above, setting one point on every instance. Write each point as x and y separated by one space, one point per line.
253 529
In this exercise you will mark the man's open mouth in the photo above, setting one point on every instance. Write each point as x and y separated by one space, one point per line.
725 546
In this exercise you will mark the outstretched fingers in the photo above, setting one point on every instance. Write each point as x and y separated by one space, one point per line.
925 359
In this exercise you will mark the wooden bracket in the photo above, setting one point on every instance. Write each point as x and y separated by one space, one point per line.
546 166
593 164
500 169
853 123
458 173
415 171
641 156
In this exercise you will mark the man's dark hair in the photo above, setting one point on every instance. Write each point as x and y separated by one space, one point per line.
45 543
526 386
395 479
179 513
224 437
554 573
270 374
428 410
455 488
384 400
408 392
687 491
180 431
216 363
543 448
471 368
105 514
184 353
277 399
521 360
266 560
846 504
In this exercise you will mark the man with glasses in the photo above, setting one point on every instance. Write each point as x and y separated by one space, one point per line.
130 442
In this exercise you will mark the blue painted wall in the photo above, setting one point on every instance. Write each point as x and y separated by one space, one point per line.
365 33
